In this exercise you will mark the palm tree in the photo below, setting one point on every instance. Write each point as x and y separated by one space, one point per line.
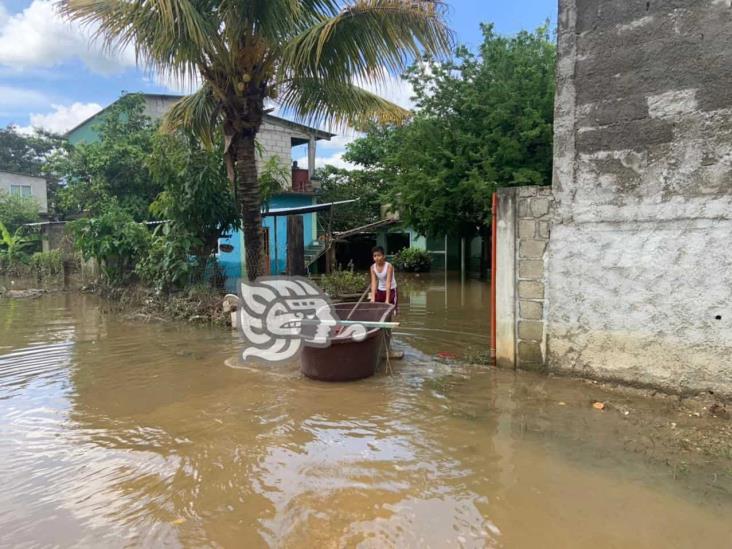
309 56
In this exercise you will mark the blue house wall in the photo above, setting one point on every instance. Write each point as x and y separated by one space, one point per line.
233 263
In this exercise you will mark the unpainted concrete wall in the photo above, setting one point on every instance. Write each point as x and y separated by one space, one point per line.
276 140
639 282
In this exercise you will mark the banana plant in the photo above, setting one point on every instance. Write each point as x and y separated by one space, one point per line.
13 246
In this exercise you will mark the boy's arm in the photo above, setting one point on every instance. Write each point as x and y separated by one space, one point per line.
373 285
389 275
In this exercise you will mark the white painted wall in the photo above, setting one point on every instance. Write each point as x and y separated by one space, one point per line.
37 185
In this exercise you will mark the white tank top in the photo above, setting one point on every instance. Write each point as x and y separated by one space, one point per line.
381 276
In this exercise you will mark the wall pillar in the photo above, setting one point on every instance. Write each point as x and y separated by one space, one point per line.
523 233
506 279
312 147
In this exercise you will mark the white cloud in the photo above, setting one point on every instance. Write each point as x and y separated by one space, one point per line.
335 159
64 117
39 37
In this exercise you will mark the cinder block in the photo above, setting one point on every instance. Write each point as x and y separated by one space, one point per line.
539 207
527 228
525 192
530 352
531 330
531 310
530 289
543 229
531 268
522 206
532 249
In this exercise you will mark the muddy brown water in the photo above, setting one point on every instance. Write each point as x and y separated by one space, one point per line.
114 433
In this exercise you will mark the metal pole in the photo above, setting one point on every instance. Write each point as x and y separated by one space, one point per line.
276 258
462 259
445 254
494 256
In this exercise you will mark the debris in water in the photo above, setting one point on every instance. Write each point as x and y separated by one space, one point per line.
179 520
598 405
719 410
447 355
562 403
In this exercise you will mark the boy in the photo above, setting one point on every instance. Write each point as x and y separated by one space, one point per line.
383 282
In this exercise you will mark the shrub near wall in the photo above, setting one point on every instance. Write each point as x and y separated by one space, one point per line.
343 283
413 260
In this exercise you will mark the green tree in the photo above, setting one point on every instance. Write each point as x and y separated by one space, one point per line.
21 153
17 210
483 120
196 200
341 184
114 239
305 55
113 167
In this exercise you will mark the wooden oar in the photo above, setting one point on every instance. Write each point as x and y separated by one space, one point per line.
364 323
359 302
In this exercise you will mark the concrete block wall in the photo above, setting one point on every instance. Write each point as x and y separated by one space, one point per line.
275 141
534 207
524 216
639 267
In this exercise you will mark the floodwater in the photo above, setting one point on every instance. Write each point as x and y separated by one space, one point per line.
114 433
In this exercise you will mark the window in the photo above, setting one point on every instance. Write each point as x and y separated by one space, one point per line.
20 190
396 242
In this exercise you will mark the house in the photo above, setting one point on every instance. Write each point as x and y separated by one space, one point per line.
354 246
278 138
29 186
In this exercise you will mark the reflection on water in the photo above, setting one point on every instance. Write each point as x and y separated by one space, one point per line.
442 315
115 434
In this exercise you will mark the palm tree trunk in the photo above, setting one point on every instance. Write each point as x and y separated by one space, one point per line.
247 193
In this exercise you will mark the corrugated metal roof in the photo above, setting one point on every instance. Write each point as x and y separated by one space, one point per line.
304 209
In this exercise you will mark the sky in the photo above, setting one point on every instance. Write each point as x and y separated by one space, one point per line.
53 76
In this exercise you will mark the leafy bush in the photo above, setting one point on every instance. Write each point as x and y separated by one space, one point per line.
197 199
114 239
17 210
413 260
168 264
14 246
343 282
46 264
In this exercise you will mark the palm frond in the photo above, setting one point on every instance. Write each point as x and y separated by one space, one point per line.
369 38
342 103
199 112
169 36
